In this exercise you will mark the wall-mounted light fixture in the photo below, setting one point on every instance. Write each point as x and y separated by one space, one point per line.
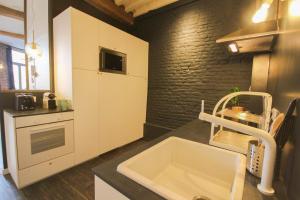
262 13
233 47
294 8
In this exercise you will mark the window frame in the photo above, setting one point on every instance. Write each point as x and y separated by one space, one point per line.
19 65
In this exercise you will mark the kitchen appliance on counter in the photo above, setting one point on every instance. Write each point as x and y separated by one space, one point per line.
24 102
49 101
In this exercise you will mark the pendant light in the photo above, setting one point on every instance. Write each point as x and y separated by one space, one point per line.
32 49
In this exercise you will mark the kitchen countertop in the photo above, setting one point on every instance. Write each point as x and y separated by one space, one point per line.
196 131
37 111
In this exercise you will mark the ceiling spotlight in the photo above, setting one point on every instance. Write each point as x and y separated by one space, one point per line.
233 47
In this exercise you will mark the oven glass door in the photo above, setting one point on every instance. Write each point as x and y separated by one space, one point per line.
41 143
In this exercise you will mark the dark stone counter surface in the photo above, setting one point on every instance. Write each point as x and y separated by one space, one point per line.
195 131
37 111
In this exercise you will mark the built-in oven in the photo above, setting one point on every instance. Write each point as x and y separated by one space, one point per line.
40 143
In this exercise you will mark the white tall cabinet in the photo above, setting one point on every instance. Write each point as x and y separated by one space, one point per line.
109 109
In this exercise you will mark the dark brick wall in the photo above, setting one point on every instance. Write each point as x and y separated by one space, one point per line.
185 63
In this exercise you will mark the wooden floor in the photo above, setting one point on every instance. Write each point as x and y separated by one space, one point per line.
75 183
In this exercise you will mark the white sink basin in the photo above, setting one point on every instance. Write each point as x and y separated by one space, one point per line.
179 169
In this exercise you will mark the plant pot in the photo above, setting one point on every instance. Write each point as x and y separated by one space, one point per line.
237 108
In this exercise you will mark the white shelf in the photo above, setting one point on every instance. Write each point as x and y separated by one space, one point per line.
233 141
241 115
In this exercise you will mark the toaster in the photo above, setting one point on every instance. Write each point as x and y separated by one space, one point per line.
24 102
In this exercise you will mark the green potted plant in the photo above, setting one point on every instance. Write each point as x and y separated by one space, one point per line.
235 101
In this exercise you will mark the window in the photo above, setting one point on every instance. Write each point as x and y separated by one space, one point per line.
15 74
19 69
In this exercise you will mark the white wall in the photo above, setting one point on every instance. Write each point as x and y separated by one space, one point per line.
39 20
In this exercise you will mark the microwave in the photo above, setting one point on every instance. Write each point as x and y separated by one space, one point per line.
112 61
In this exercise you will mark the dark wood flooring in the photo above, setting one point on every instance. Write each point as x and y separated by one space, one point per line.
76 183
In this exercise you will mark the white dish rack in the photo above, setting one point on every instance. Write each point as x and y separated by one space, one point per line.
233 140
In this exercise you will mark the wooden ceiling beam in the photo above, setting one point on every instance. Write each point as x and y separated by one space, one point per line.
9 12
110 8
122 2
14 35
152 5
134 5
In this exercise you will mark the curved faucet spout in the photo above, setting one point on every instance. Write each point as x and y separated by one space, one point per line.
265 185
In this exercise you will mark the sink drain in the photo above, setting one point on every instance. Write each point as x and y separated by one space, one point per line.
200 197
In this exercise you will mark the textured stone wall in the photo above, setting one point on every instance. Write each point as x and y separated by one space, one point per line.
185 63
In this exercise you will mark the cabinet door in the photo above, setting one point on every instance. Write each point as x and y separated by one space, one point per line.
105 191
135 49
85 99
85 35
122 109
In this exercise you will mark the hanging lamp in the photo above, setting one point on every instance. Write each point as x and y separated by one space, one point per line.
32 49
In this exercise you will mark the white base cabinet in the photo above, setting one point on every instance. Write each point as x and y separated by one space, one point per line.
104 191
38 146
121 111
45 169
86 106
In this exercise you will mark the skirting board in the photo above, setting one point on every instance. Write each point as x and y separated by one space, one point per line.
152 131
4 171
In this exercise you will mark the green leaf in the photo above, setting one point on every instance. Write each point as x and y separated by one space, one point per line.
235 100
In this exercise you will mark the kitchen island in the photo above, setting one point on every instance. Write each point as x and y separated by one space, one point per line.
196 131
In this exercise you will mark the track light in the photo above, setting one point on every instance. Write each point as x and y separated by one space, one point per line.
233 47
